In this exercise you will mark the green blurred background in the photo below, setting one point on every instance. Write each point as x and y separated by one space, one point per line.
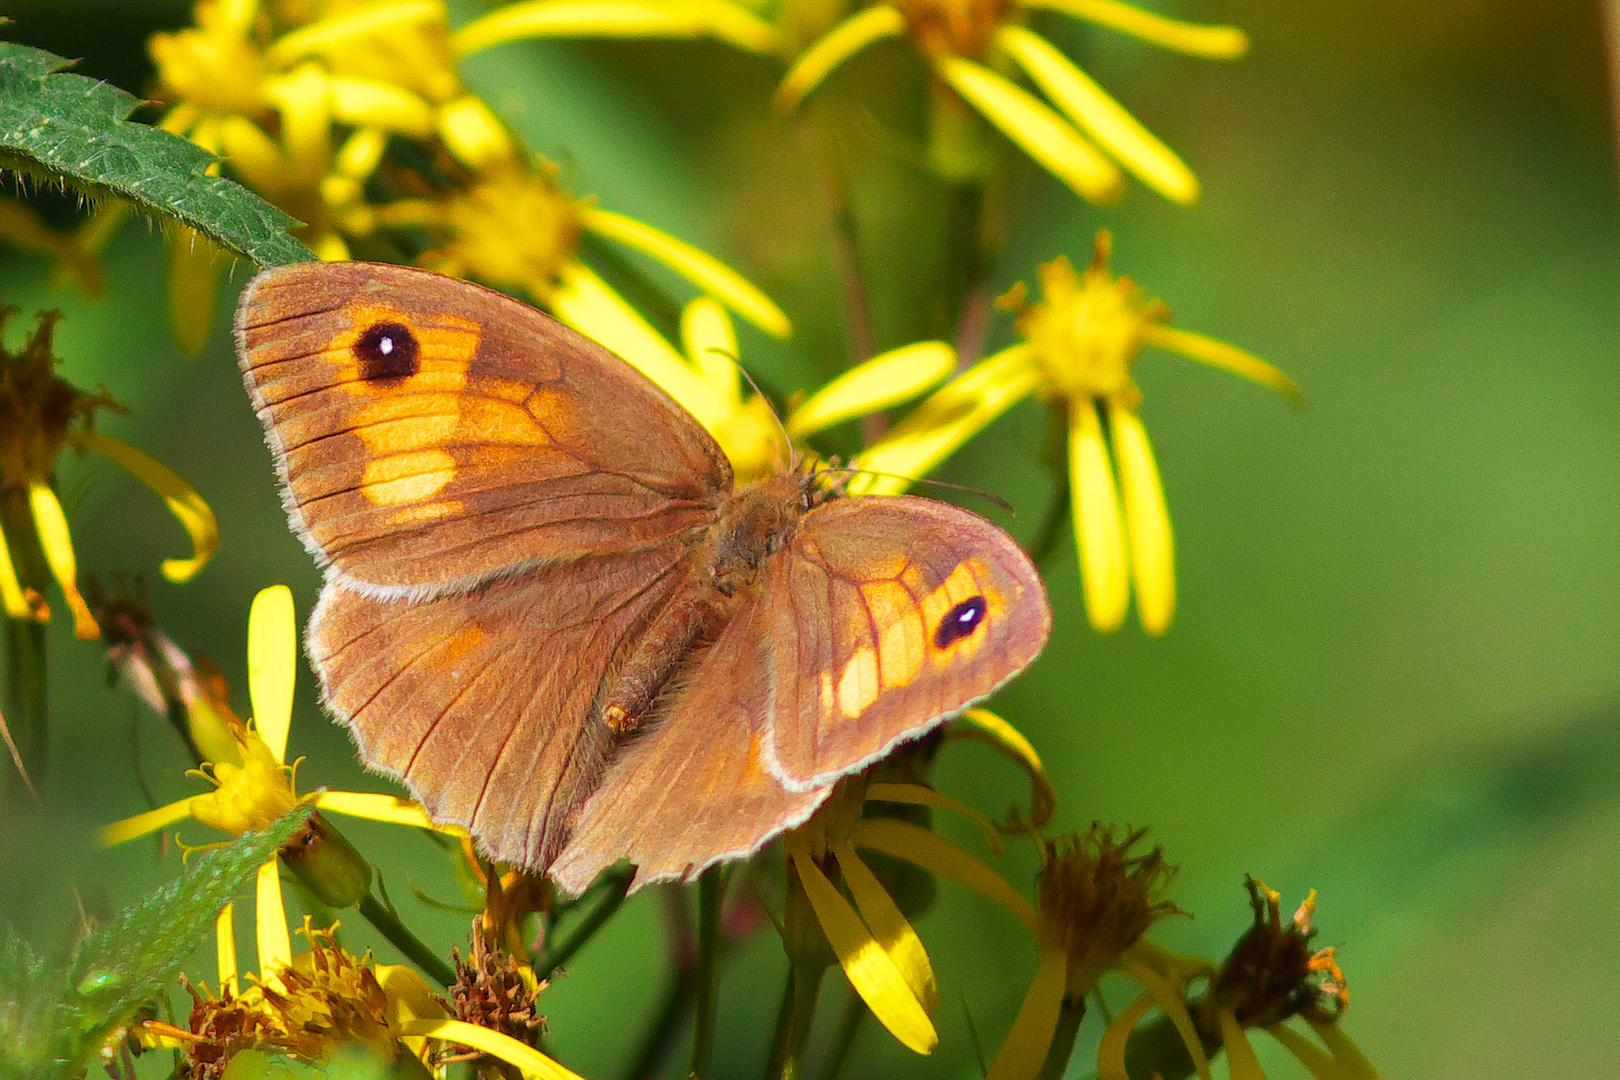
1395 672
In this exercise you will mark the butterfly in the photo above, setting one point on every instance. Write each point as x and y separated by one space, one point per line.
551 613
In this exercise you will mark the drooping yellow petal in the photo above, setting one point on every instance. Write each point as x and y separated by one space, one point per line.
141 824
840 43
1041 133
937 855
1027 1044
889 926
1241 1061
373 20
1097 526
475 135
1147 521
1346 1054
410 1000
531 1062
1111 1050
584 301
882 382
375 806
1217 353
57 544
617 19
988 728
304 101
225 948
918 795
181 498
1318 1062
1169 1002
951 416
195 263
1193 39
374 103
272 666
11 591
1097 114
699 267
270 925
869 969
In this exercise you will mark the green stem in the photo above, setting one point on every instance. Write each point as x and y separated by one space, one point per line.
1062 1047
588 926
389 926
793 1022
671 1013
711 891
849 1026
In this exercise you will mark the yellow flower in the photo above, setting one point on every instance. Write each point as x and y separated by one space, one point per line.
963 41
1080 340
716 19
40 414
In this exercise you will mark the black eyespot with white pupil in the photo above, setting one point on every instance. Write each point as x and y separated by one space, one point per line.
960 622
387 353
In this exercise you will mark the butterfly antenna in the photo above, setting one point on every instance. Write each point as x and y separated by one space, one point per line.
787 440
996 500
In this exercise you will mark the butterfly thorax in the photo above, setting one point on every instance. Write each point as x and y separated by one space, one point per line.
749 525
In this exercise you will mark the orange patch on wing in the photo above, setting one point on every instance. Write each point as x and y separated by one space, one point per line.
401 479
859 684
969 579
902 645
446 346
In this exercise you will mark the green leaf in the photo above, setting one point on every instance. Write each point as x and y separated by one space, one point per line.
56 1011
60 128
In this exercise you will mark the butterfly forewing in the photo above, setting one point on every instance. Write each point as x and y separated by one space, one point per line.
891 614
432 437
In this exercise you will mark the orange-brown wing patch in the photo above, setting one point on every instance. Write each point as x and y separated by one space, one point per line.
432 433
694 788
484 703
890 616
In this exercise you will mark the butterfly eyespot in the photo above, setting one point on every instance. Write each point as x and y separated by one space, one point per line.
388 353
960 622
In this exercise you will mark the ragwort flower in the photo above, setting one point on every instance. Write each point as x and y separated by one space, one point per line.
40 414
1080 340
964 41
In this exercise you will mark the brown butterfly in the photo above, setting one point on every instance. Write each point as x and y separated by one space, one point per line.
550 613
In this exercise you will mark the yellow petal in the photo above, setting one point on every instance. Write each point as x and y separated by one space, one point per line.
1241 1061
1217 353
225 948
195 263
375 20
1169 1002
1027 1044
270 925
11 591
617 19
869 969
181 498
1100 116
699 267
141 824
374 103
254 155
58 547
1111 1050
272 666
937 855
988 728
1147 522
1346 1054
1041 133
304 101
950 417
889 926
711 343
1194 39
918 795
378 807
474 135
1317 1062
531 1062
1098 529
881 383
840 43
584 301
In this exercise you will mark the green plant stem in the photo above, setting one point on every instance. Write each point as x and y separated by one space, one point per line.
711 891
850 1022
793 1022
672 1010
588 926
389 926
1062 1048
1054 456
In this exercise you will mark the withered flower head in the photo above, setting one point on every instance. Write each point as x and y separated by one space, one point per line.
1272 973
495 990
